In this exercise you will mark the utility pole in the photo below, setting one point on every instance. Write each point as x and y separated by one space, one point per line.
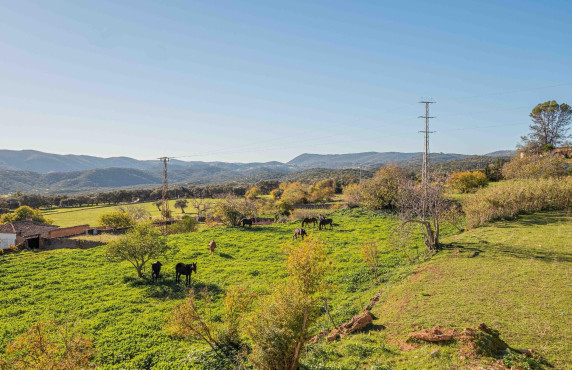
165 200
425 168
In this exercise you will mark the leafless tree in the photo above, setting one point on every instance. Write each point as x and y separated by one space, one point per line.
199 202
424 206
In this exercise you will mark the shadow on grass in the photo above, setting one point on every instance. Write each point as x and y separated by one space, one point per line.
169 288
510 251
227 256
536 219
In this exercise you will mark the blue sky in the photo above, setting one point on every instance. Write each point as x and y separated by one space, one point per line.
266 80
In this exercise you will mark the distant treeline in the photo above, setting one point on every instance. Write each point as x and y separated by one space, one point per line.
148 195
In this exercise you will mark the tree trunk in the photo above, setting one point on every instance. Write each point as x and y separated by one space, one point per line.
296 357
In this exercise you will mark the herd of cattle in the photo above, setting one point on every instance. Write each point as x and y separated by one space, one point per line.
188 269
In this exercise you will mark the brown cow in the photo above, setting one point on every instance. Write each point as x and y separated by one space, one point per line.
212 246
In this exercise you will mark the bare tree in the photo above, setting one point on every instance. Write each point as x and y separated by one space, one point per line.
424 206
199 202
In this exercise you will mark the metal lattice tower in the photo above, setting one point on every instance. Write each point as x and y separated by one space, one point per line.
425 168
165 200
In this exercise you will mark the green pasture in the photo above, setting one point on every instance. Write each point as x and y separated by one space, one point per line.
65 217
514 276
125 316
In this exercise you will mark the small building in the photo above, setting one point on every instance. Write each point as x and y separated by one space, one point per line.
30 234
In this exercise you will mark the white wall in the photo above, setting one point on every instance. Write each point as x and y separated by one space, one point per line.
6 240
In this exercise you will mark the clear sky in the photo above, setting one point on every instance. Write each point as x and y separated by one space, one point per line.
267 80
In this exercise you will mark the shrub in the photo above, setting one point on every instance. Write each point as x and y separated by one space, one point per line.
535 166
514 197
186 225
22 213
467 181
116 220
47 345
353 195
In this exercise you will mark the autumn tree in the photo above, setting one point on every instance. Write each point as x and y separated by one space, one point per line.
192 320
279 328
252 193
353 195
23 213
140 245
232 209
381 191
467 181
48 345
549 127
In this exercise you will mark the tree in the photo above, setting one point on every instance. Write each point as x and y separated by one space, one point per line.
252 193
139 245
181 204
381 191
232 209
425 207
549 127
116 220
23 213
137 213
159 205
279 328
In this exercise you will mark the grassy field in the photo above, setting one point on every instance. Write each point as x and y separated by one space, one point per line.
125 316
65 217
513 276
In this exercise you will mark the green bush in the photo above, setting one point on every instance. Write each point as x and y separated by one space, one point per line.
116 220
187 224
23 213
514 197
468 181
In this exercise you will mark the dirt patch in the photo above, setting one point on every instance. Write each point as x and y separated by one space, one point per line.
481 341
356 323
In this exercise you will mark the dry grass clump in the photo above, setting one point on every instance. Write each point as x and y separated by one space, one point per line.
515 197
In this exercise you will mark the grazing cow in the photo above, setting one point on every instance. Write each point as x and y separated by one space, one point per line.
326 221
212 246
247 221
156 270
187 270
309 220
299 232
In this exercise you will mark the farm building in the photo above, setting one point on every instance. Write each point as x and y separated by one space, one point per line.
33 234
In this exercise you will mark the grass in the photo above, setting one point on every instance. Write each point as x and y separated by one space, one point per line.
513 276
65 217
125 316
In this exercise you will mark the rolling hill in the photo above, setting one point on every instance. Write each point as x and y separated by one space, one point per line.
37 172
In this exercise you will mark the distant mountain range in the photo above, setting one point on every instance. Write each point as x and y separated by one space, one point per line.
36 172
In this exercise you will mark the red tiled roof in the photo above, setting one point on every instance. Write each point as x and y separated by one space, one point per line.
27 228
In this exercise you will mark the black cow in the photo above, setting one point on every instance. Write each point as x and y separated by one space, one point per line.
156 270
187 270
